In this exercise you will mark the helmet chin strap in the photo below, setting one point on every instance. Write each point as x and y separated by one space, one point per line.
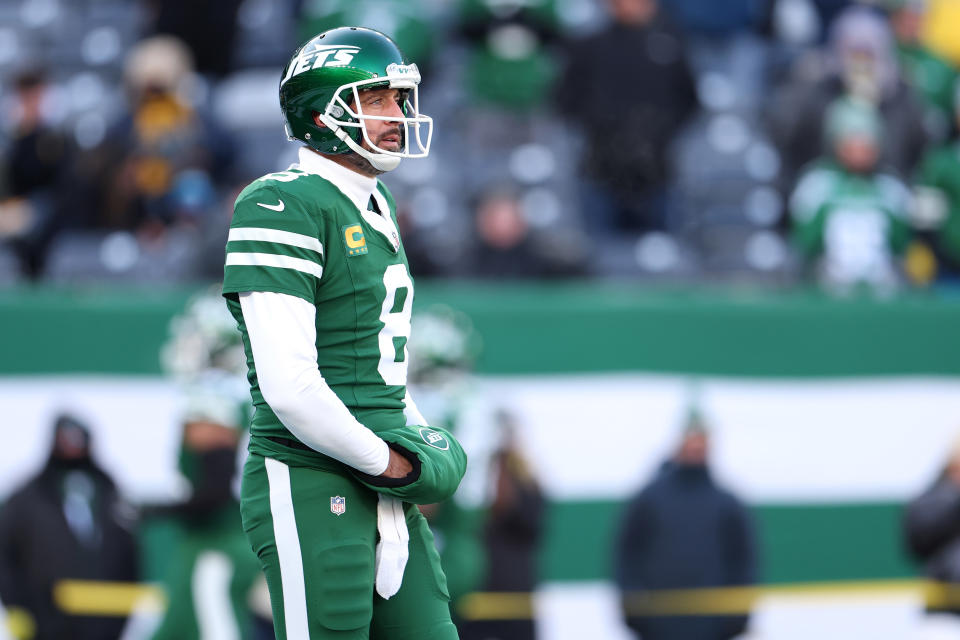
380 161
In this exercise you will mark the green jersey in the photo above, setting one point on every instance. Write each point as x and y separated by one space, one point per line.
932 77
854 223
940 171
296 233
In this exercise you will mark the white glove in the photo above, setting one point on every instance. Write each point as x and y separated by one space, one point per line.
392 551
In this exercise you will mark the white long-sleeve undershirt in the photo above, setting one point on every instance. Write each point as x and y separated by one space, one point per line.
282 331
411 413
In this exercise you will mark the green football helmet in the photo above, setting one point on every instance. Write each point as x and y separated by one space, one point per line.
325 77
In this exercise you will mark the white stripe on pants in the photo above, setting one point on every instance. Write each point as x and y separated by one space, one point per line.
288 550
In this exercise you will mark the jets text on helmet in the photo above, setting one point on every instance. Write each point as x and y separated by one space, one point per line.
321 56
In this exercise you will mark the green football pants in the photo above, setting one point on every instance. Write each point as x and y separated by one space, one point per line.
208 582
315 533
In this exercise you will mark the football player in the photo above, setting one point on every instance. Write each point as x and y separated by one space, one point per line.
317 279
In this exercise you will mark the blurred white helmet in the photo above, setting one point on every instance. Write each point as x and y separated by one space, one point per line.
441 341
204 337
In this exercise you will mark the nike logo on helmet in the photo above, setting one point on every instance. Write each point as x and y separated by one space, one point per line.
273 207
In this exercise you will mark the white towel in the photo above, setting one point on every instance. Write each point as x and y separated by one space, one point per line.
392 551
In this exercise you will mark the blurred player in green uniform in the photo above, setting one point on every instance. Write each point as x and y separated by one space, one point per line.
202 556
443 348
210 572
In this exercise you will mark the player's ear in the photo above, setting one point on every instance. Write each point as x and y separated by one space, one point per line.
317 121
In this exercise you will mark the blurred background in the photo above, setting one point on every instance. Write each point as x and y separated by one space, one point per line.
688 288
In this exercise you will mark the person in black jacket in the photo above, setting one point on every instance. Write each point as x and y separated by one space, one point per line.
511 536
629 89
860 62
932 526
682 531
35 180
68 522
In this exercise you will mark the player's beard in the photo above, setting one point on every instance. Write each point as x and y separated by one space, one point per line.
363 165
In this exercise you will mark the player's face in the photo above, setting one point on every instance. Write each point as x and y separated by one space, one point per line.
385 134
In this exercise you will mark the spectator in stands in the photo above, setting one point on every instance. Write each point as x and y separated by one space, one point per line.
510 66
162 160
503 237
208 29
849 216
683 531
721 39
507 73
931 76
412 24
712 18
937 197
68 522
932 526
35 165
861 61
628 88
507 247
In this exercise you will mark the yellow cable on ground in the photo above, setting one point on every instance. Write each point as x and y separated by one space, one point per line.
740 600
721 600
96 598
501 605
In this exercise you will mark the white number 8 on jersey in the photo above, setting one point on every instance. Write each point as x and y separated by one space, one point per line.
396 325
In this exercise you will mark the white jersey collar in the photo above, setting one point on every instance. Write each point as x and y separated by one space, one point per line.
357 187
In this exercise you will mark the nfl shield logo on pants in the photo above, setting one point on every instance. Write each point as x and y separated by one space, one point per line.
338 505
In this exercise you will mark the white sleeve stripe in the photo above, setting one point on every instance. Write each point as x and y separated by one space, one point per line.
273 260
275 235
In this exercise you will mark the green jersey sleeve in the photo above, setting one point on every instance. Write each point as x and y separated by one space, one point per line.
275 244
812 193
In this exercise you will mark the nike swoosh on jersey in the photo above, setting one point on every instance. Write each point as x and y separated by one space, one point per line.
275 207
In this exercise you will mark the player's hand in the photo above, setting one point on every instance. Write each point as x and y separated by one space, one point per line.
398 467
